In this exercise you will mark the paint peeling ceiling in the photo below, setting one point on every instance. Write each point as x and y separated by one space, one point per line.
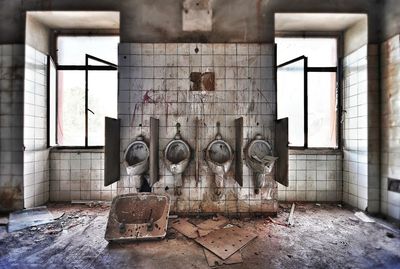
77 19
315 22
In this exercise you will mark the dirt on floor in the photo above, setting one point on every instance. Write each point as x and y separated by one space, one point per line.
323 236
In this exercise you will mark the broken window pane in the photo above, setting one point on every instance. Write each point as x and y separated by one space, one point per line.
322 109
290 97
102 93
71 108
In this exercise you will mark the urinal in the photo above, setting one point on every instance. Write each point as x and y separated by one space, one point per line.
136 159
259 158
219 157
176 157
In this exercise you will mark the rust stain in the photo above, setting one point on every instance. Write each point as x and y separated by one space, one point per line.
147 98
11 199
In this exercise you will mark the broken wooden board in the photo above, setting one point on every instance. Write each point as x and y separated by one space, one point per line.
3 220
291 216
225 242
213 224
29 217
213 260
185 227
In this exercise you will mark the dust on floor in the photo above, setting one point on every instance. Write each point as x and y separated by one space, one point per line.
323 236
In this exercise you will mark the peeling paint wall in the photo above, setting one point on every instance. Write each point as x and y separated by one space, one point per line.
161 20
390 124
154 82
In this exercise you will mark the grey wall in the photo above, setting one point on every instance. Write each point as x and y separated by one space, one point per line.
355 37
161 20
390 19
37 35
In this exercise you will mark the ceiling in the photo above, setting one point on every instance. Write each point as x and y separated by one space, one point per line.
316 22
77 19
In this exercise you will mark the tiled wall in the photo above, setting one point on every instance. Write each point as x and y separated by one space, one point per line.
78 175
313 178
36 154
154 82
390 120
355 129
11 122
361 129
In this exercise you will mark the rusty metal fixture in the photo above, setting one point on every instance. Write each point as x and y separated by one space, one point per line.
259 158
138 216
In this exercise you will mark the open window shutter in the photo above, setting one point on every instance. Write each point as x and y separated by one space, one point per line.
111 151
239 151
282 151
154 134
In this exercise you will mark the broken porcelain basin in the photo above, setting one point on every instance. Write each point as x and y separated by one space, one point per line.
138 216
219 157
177 157
136 157
259 158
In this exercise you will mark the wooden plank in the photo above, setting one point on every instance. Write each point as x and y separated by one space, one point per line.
185 227
213 260
291 215
197 150
239 151
154 159
282 151
225 242
111 151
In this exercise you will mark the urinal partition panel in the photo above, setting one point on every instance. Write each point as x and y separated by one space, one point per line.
154 146
282 151
111 151
239 151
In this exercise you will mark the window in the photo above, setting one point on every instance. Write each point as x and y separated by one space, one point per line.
307 90
87 88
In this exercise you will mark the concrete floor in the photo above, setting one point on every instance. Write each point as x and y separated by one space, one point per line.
325 236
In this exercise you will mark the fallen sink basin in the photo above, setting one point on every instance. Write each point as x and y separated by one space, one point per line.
138 216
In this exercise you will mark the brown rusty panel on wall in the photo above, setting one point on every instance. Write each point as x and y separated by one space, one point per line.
111 151
238 151
202 81
154 135
282 151
208 81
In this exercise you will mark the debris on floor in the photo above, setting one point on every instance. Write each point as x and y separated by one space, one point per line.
363 217
29 218
225 242
185 227
221 241
213 260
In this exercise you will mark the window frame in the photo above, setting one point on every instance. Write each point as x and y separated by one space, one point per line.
337 69
107 67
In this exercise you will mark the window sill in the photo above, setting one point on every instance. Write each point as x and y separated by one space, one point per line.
321 151
77 149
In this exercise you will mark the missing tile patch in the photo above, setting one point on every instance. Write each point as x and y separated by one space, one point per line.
394 185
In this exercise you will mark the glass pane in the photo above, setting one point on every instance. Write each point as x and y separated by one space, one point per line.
52 103
290 97
322 109
103 100
72 49
321 52
71 108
